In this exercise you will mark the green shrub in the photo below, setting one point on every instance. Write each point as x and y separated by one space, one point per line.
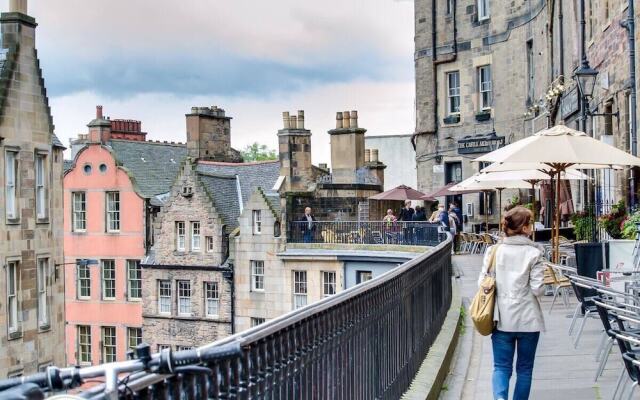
581 225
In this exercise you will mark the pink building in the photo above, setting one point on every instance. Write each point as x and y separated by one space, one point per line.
112 189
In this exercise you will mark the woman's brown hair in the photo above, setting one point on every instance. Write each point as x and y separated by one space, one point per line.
515 220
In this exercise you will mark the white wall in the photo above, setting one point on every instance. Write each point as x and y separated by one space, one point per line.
397 153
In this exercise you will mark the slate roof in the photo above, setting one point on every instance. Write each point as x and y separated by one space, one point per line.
154 166
273 198
222 180
55 142
67 165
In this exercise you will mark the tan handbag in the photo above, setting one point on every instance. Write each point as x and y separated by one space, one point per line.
483 304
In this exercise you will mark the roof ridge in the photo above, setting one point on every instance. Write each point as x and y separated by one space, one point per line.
206 162
214 175
153 142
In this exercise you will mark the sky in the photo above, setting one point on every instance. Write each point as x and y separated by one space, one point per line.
153 60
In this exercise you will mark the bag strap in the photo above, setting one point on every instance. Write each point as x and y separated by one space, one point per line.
492 259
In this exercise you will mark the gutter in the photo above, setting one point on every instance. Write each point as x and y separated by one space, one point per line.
629 25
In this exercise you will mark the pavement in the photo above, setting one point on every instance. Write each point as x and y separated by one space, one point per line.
560 371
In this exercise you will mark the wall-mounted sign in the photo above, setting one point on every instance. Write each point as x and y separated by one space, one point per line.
569 103
480 144
438 169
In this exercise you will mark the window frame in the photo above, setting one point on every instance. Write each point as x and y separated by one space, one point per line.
328 284
210 244
484 10
453 92
257 279
211 294
196 236
182 299
137 330
131 280
485 90
165 297
76 214
181 238
300 289
13 297
108 351
42 201
255 321
43 288
112 214
80 344
104 279
81 279
11 184
256 222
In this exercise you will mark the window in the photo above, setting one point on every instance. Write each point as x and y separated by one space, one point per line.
209 240
108 279
257 222
212 299
41 192
180 236
184 297
483 9
11 183
134 280
484 86
108 344
257 321
195 236
164 346
453 92
530 73
363 276
84 281
299 289
257 275
134 337
13 287
328 283
182 348
84 344
164 297
43 291
450 7
79 213
113 211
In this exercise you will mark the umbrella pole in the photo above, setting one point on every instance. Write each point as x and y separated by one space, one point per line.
556 243
486 212
535 218
500 209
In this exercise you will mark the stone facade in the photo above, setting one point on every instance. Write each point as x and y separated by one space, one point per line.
209 135
32 321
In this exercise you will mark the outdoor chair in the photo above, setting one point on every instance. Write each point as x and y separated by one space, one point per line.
377 237
560 285
631 360
582 285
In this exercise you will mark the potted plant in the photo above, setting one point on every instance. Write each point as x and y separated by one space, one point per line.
483 115
452 119
581 222
630 226
614 220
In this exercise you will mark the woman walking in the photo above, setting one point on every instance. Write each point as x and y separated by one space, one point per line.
518 316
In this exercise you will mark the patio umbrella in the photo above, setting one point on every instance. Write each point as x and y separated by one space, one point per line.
556 150
401 192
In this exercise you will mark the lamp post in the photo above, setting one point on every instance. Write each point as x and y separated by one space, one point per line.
81 262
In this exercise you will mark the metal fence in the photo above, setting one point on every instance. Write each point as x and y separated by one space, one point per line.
363 343
365 232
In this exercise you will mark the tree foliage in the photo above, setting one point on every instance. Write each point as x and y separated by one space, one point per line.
258 152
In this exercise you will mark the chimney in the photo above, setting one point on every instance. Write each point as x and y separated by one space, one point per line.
294 149
353 123
300 119
99 128
209 134
338 120
293 122
347 147
18 6
98 112
345 119
367 155
285 120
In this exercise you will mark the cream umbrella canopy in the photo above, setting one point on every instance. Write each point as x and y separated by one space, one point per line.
556 150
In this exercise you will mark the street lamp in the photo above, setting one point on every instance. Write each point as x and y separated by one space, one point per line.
81 262
586 78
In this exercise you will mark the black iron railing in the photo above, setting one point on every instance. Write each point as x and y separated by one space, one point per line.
365 342
365 232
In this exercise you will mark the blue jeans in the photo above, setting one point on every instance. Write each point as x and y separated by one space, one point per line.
504 347
308 236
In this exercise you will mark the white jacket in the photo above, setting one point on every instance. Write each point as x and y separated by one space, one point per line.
519 281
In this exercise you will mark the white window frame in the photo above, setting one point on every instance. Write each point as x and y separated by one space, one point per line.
41 186
83 339
11 184
108 279
196 237
453 92
256 221
133 333
112 209
485 88
212 299
257 276
183 348
109 340
82 279
43 291
255 321
209 243
181 236
134 280
79 211
165 292
163 346
13 298
484 10
300 289
183 288
329 283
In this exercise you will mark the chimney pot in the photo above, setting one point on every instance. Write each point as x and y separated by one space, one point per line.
19 6
293 122
374 155
354 119
285 120
345 120
300 119
338 120
367 155
98 112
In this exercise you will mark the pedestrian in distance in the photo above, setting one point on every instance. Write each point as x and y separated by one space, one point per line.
308 225
418 217
518 319
406 216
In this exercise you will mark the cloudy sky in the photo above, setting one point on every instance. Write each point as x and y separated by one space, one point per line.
153 60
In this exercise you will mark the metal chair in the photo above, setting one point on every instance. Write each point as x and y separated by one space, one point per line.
585 303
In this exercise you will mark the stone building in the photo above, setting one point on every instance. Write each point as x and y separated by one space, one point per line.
113 189
502 70
31 281
187 279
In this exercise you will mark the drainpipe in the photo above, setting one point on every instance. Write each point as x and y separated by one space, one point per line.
561 38
629 25
228 275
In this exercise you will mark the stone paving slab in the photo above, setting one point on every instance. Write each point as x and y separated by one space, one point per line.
561 372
